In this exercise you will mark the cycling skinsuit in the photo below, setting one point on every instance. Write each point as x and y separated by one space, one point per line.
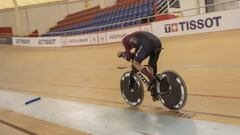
145 44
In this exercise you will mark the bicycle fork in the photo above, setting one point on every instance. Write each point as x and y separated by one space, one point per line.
143 79
131 81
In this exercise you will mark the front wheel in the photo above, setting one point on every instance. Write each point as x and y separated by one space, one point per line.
172 90
134 94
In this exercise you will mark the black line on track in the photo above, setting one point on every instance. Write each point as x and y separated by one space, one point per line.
100 88
214 96
17 127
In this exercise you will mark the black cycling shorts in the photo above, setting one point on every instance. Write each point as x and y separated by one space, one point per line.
152 50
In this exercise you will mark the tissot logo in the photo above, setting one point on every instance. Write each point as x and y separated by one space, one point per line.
193 24
174 27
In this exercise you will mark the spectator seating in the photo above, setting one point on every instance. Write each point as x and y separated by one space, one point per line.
96 19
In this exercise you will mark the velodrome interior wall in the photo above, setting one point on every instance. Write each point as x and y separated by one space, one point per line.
231 5
44 17
7 19
187 4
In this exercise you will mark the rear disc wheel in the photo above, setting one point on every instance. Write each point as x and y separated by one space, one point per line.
172 90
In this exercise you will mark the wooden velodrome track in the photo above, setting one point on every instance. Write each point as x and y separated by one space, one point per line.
209 63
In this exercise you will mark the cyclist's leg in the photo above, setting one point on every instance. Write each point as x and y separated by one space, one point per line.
141 54
153 61
152 64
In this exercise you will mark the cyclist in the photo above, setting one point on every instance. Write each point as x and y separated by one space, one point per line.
146 45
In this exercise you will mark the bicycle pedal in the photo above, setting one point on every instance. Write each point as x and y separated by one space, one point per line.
154 99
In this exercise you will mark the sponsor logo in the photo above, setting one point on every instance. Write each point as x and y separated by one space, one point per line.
3 40
102 38
94 39
23 41
47 41
209 22
115 36
146 28
73 41
133 40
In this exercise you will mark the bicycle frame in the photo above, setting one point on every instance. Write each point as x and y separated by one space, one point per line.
139 74
143 79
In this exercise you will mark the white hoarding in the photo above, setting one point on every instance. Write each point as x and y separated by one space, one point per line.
146 28
102 38
49 42
37 42
22 41
94 39
77 40
116 36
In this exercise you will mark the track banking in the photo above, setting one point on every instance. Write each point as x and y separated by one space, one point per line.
209 22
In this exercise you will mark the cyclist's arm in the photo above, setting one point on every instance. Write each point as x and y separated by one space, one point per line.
128 55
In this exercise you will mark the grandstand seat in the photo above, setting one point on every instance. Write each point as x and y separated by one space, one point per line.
91 18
